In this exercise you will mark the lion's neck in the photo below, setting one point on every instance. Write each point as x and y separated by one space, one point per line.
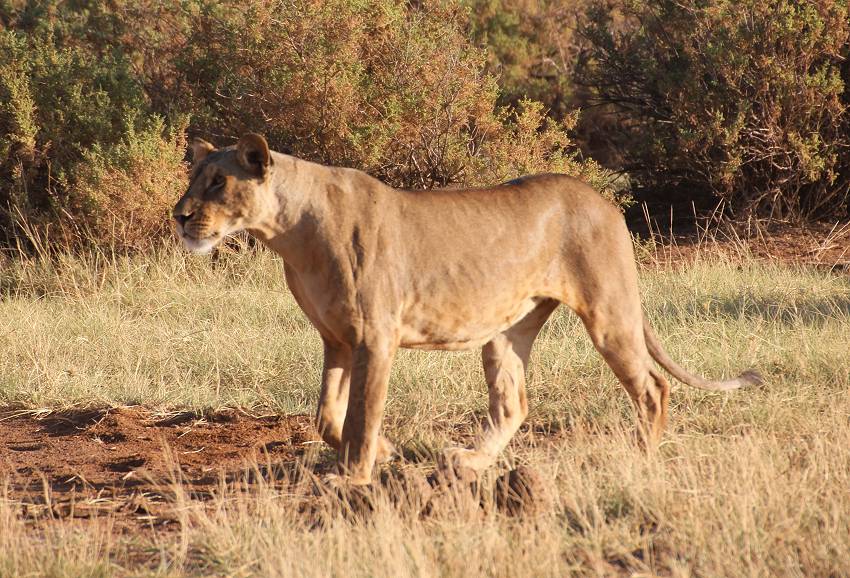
296 211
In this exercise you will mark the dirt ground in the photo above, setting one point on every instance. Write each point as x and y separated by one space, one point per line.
125 462
87 463
823 245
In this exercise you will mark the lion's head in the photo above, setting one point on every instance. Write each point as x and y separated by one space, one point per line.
224 194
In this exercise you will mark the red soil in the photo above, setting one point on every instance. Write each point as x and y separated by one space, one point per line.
87 463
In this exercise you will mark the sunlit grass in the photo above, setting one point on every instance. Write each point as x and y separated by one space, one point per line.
752 482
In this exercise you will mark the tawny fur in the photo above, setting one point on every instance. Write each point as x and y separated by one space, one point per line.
376 268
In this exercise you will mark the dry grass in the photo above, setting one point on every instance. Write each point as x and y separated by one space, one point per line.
752 483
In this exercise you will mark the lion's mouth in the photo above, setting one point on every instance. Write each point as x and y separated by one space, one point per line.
200 245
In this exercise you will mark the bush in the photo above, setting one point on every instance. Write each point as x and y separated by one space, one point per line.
743 99
397 90
393 88
531 48
529 142
70 120
126 191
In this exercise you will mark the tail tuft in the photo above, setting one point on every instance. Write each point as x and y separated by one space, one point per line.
751 377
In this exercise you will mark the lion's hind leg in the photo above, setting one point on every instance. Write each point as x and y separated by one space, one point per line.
505 360
617 333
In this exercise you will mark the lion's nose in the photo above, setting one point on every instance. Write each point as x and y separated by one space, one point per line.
182 218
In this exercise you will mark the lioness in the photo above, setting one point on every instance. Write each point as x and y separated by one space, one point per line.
376 268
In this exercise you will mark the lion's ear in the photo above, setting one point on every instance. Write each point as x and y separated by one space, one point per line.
200 150
253 154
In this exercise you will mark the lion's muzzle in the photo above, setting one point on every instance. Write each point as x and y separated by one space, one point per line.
194 229
182 219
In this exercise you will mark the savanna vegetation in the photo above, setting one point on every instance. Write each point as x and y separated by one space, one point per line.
747 483
745 103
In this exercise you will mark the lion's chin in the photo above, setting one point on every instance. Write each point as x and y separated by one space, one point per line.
200 246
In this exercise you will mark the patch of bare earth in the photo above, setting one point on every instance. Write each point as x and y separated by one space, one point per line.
821 245
90 463
125 464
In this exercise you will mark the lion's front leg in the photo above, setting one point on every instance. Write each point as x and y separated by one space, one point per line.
361 443
333 400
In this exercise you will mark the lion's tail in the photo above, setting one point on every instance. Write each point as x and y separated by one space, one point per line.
749 377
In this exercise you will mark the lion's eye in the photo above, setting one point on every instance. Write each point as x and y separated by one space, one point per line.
218 180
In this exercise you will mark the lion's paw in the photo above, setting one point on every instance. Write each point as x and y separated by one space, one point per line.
340 481
386 451
460 459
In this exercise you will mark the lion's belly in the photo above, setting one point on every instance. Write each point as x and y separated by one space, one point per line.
428 326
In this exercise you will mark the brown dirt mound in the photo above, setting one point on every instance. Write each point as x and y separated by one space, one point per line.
86 463
522 492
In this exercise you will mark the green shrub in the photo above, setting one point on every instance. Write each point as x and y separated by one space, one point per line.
531 49
529 142
70 119
126 191
743 99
